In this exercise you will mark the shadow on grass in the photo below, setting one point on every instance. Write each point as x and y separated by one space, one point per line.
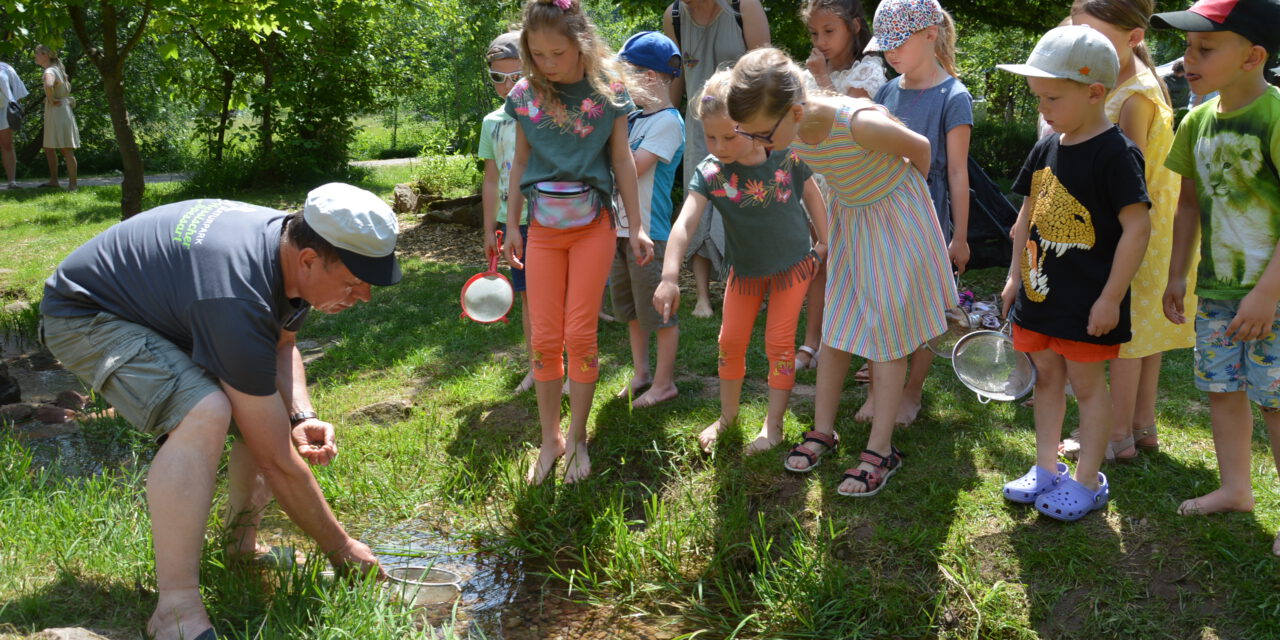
74 600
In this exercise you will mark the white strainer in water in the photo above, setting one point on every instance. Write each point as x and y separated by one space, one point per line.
987 363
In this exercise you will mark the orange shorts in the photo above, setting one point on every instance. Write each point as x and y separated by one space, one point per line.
1028 341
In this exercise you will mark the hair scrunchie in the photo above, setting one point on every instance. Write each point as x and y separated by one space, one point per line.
564 5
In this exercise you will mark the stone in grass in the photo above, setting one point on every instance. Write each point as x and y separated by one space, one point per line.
69 633
72 400
48 414
10 392
381 413
17 306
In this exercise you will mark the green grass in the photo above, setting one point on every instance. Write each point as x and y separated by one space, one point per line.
726 545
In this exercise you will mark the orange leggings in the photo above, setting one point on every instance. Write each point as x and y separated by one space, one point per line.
565 283
740 311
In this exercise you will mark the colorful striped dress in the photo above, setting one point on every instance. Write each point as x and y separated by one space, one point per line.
888 276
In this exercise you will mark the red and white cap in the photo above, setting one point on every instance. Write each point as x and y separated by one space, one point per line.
1257 21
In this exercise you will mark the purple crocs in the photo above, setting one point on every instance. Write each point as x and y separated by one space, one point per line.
1072 500
1026 489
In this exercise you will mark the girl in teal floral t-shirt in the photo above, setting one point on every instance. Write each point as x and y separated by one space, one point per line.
571 143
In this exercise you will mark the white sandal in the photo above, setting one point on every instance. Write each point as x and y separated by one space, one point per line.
813 357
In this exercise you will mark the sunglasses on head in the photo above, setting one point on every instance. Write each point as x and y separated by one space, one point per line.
767 138
498 77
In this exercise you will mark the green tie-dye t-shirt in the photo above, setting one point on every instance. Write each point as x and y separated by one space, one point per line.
1232 157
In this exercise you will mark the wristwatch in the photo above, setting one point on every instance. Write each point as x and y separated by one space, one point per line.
300 416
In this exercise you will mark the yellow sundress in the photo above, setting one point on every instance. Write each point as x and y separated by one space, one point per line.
1152 332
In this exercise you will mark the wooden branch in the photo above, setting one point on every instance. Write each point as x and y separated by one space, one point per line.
82 34
137 34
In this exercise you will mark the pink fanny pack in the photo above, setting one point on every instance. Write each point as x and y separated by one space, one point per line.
564 205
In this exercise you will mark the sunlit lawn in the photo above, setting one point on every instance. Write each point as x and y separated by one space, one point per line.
726 545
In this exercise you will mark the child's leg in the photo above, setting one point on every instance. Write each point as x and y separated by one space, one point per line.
889 379
1144 410
779 344
588 267
1232 419
833 366
739 317
913 392
1126 381
701 267
816 302
1050 407
663 387
527 325
623 289
547 281
641 376
1089 381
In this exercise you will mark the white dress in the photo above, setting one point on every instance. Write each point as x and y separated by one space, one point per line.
60 131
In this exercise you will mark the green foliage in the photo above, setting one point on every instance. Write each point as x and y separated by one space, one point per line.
1002 146
449 176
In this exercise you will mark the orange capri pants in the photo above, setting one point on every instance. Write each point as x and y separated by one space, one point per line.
566 275
783 315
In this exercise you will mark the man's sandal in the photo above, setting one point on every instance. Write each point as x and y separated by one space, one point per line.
1071 500
803 450
876 479
1142 433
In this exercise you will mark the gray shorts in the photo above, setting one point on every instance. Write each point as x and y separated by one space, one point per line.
632 286
150 381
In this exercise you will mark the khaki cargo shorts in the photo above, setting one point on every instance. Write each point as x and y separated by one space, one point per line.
150 381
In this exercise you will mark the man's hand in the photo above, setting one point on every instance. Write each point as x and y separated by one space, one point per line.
314 440
355 556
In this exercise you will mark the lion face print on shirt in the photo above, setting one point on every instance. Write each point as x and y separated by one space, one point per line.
1059 223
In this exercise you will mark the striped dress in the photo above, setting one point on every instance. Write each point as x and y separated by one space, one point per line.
888 276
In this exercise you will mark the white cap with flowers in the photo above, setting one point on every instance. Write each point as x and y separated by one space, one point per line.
897 20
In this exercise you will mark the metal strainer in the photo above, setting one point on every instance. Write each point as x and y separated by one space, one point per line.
986 362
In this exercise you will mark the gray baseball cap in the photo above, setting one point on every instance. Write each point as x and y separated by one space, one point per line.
504 47
360 226
1074 52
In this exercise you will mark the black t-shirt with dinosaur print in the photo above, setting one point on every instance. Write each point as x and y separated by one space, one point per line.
1076 193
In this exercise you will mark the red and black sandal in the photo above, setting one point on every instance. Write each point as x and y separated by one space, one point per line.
876 479
809 453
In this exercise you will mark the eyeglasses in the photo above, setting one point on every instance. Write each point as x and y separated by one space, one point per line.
766 139
498 77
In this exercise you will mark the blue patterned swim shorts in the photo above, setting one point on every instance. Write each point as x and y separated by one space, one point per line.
1224 364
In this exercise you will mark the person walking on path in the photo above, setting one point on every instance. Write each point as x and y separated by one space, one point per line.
11 91
60 132
709 33
185 317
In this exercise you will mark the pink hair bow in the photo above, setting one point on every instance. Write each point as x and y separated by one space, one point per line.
564 5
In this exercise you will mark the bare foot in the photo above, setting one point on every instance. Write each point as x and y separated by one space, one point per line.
702 309
867 411
707 439
525 384
634 387
767 439
1216 501
863 374
564 391
548 454
578 463
908 410
655 395
178 616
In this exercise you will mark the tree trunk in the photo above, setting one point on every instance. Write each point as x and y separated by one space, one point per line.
110 59
132 186
228 82
266 128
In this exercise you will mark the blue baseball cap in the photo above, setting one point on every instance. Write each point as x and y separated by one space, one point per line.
652 50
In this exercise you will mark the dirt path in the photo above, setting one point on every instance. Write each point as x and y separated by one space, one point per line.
103 181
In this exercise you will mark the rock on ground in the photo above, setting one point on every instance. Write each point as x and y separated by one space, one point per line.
68 633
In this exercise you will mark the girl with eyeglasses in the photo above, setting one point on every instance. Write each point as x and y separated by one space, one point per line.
767 199
888 281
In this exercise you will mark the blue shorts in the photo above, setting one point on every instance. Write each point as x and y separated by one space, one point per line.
517 275
1224 364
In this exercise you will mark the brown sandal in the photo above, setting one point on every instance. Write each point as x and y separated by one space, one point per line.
1142 433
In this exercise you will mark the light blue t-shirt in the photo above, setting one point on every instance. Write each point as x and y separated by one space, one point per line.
932 113
662 134
498 143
